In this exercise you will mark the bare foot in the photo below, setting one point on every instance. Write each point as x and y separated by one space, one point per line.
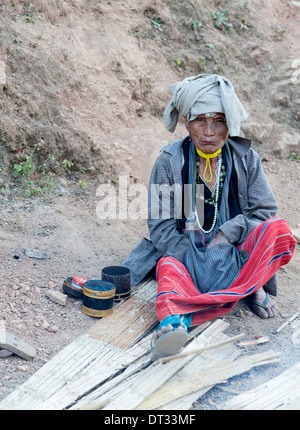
262 304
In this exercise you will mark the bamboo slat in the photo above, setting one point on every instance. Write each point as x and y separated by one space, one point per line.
109 366
138 388
287 322
278 393
202 349
198 380
78 368
109 347
202 361
290 405
128 379
130 321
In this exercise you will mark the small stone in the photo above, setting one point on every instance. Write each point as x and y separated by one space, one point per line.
51 285
53 329
57 297
45 325
23 368
31 253
240 314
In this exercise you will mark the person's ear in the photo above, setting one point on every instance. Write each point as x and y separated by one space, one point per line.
187 124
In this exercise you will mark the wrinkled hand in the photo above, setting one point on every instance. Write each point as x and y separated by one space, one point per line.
219 238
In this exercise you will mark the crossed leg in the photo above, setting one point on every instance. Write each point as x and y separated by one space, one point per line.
270 245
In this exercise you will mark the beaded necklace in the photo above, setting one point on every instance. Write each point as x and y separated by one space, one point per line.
211 200
214 199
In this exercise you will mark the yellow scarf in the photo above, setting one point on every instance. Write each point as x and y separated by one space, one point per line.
207 157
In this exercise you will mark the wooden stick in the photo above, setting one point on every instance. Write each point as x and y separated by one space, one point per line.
204 348
93 407
255 342
287 322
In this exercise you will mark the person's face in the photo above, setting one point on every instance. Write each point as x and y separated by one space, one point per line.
209 134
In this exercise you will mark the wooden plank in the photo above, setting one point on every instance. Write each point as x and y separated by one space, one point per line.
277 393
287 322
201 361
99 395
210 376
77 369
135 390
13 344
92 358
109 366
290 405
202 349
258 341
130 321
112 390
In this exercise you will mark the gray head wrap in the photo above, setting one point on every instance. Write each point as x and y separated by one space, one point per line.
203 94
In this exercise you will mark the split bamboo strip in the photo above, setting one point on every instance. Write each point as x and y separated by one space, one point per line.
70 361
88 361
90 378
291 405
110 391
111 385
202 361
198 329
258 341
130 321
154 376
198 350
147 291
93 396
277 393
92 407
211 376
287 322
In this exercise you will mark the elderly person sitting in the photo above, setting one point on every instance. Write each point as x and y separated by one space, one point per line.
215 240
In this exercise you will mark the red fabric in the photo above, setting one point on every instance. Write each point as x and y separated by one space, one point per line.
270 245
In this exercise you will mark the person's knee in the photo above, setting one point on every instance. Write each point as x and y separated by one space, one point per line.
279 225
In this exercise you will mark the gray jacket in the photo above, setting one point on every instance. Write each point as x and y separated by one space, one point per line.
255 196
